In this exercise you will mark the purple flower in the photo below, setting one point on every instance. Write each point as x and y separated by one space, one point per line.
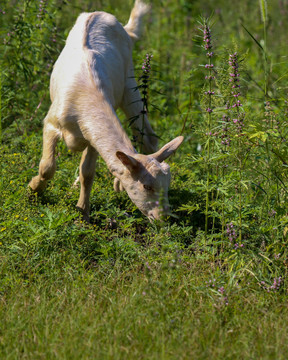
234 75
277 282
235 93
221 290
207 38
210 68
146 67
232 236
272 213
210 77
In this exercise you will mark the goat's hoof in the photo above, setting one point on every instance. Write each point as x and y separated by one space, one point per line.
84 215
31 194
37 185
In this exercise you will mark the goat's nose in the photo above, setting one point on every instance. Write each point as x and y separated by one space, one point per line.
159 212
151 215
156 215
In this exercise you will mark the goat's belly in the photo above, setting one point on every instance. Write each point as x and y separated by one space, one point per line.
74 142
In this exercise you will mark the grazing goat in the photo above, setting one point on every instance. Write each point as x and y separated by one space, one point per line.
92 77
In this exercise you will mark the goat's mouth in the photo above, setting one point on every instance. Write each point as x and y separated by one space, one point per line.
151 218
151 215
158 216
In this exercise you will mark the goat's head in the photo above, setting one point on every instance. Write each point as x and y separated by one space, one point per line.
146 179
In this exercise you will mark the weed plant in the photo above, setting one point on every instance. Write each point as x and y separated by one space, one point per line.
210 281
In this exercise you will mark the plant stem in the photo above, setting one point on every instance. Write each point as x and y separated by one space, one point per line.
208 153
0 107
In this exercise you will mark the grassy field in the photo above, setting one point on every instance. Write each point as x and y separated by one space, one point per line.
211 280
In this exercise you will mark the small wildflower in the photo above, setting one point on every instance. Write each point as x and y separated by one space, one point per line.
223 298
232 236
221 290
210 282
144 87
207 39
234 74
272 213
210 77
210 67
225 138
146 66
148 266
235 93
277 282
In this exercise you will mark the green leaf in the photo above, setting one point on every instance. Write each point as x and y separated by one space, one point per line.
260 135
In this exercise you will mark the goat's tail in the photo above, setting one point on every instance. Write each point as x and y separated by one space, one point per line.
134 25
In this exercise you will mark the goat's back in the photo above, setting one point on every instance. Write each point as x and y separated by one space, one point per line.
98 52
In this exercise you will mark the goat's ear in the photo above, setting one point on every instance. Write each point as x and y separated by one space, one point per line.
128 161
168 149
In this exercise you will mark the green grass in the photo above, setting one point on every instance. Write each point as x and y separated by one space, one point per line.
124 312
120 287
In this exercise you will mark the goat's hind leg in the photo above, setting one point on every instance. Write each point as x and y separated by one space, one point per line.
47 164
87 173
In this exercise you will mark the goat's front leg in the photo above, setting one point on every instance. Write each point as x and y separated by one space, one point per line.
87 173
47 164
132 105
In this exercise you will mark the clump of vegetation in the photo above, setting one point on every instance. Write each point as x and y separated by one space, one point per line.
212 277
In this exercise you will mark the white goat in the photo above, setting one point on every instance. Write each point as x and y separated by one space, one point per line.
92 77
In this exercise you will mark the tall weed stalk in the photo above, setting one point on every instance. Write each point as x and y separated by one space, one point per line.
209 108
264 15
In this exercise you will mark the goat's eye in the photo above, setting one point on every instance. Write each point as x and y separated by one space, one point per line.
147 187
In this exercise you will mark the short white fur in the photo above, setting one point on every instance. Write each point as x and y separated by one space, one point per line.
92 77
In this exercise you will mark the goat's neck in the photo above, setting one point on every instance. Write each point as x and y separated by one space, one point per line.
107 135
